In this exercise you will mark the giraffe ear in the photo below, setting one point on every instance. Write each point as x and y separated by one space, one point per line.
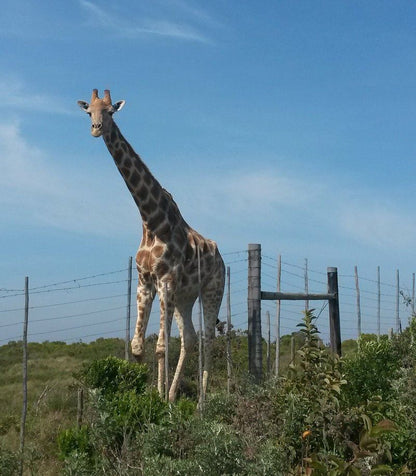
83 105
118 105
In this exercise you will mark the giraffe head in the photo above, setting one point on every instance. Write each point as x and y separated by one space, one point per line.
100 111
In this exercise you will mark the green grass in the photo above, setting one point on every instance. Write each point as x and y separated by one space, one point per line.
52 395
52 387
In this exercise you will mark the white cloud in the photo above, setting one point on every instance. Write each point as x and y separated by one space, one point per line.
273 201
384 225
237 196
130 28
39 191
16 94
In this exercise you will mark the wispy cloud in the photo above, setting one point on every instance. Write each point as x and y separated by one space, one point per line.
42 191
39 191
16 94
276 201
258 195
157 25
377 223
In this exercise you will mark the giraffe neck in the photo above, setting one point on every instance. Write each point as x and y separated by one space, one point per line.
157 208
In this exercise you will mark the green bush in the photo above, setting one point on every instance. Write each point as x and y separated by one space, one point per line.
123 404
371 372
74 440
113 375
9 462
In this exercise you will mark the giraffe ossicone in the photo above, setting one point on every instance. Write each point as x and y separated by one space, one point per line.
167 258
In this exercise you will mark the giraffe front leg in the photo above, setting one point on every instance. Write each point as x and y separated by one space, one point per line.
145 296
162 346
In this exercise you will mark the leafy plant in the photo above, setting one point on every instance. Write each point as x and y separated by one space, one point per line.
371 371
366 454
74 440
308 399
113 376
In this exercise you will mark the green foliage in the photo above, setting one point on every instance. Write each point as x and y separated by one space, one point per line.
123 403
9 462
333 416
74 440
207 447
308 398
113 376
371 372
365 454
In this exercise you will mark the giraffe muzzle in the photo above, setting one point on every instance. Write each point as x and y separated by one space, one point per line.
96 129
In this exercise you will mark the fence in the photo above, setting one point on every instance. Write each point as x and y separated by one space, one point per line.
89 307
256 295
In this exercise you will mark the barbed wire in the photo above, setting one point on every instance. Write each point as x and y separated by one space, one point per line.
291 312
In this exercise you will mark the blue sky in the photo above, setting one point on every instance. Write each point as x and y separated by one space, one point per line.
290 124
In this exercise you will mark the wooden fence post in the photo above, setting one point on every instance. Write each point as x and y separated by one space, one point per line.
333 305
357 289
255 358
378 303
128 311
398 323
167 334
200 341
268 344
278 308
306 284
24 408
229 367
292 350
80 407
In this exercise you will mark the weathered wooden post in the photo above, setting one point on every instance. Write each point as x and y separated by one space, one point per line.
255 357
378 302
268 344
128 310
229 366
24 408
80 407
357 289
333 305
278 308
398 322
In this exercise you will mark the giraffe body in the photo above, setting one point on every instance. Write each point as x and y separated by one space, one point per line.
167 258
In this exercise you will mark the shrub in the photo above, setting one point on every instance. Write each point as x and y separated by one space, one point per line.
123 404
308 399
371 372
9 462
74 440
113 375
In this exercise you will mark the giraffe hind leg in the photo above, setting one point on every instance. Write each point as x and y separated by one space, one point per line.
211 300
183 316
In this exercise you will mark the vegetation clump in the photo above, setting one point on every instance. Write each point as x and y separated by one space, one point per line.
324 415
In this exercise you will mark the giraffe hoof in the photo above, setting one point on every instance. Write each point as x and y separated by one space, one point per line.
137 353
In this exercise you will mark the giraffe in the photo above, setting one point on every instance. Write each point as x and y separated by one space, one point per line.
167 259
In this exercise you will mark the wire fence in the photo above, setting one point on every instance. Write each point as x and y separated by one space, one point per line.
91 307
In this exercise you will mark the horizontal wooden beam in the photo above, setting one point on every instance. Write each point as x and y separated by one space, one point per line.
278 296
